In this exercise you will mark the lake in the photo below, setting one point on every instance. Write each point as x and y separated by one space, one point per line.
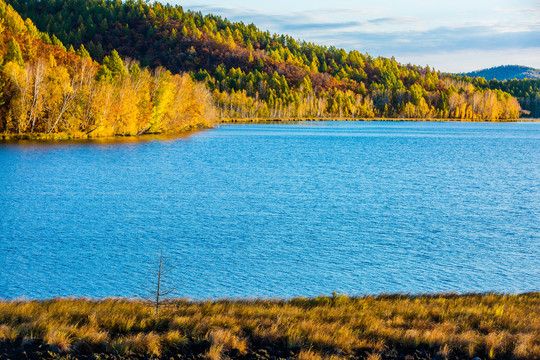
275 210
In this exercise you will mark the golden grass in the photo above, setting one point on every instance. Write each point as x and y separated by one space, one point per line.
308 355
227 339
373 356
488 326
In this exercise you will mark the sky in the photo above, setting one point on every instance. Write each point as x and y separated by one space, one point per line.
451 36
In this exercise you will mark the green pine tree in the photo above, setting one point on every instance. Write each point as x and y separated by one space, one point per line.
57 42
13 52
46 38
82 52
104 74
135 70
115 64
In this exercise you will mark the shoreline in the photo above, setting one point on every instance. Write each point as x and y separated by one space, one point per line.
314 119
66 137
77 137
374 327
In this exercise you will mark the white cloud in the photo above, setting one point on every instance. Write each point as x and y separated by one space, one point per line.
470 60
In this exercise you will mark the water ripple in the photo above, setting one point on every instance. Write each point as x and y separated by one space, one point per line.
276 211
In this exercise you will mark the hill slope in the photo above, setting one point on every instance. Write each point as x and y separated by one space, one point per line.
258 75
506 72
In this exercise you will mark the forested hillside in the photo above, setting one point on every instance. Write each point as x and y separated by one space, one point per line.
526 91
46 88
506 72
519 81
254 74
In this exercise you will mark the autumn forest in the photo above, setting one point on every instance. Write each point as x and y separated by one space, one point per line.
105 68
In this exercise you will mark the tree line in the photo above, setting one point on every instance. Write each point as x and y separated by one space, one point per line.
526 91
252 73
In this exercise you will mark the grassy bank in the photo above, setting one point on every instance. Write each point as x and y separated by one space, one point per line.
91 136
489 326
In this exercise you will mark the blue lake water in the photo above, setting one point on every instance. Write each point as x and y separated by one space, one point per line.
276 210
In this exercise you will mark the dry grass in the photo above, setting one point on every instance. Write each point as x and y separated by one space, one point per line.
488 326
373 356
308 355
228 339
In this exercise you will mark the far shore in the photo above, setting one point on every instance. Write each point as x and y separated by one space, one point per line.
293 119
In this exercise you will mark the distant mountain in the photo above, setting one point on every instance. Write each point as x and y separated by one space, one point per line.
506 72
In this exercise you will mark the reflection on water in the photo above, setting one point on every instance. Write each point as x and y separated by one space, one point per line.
100 140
